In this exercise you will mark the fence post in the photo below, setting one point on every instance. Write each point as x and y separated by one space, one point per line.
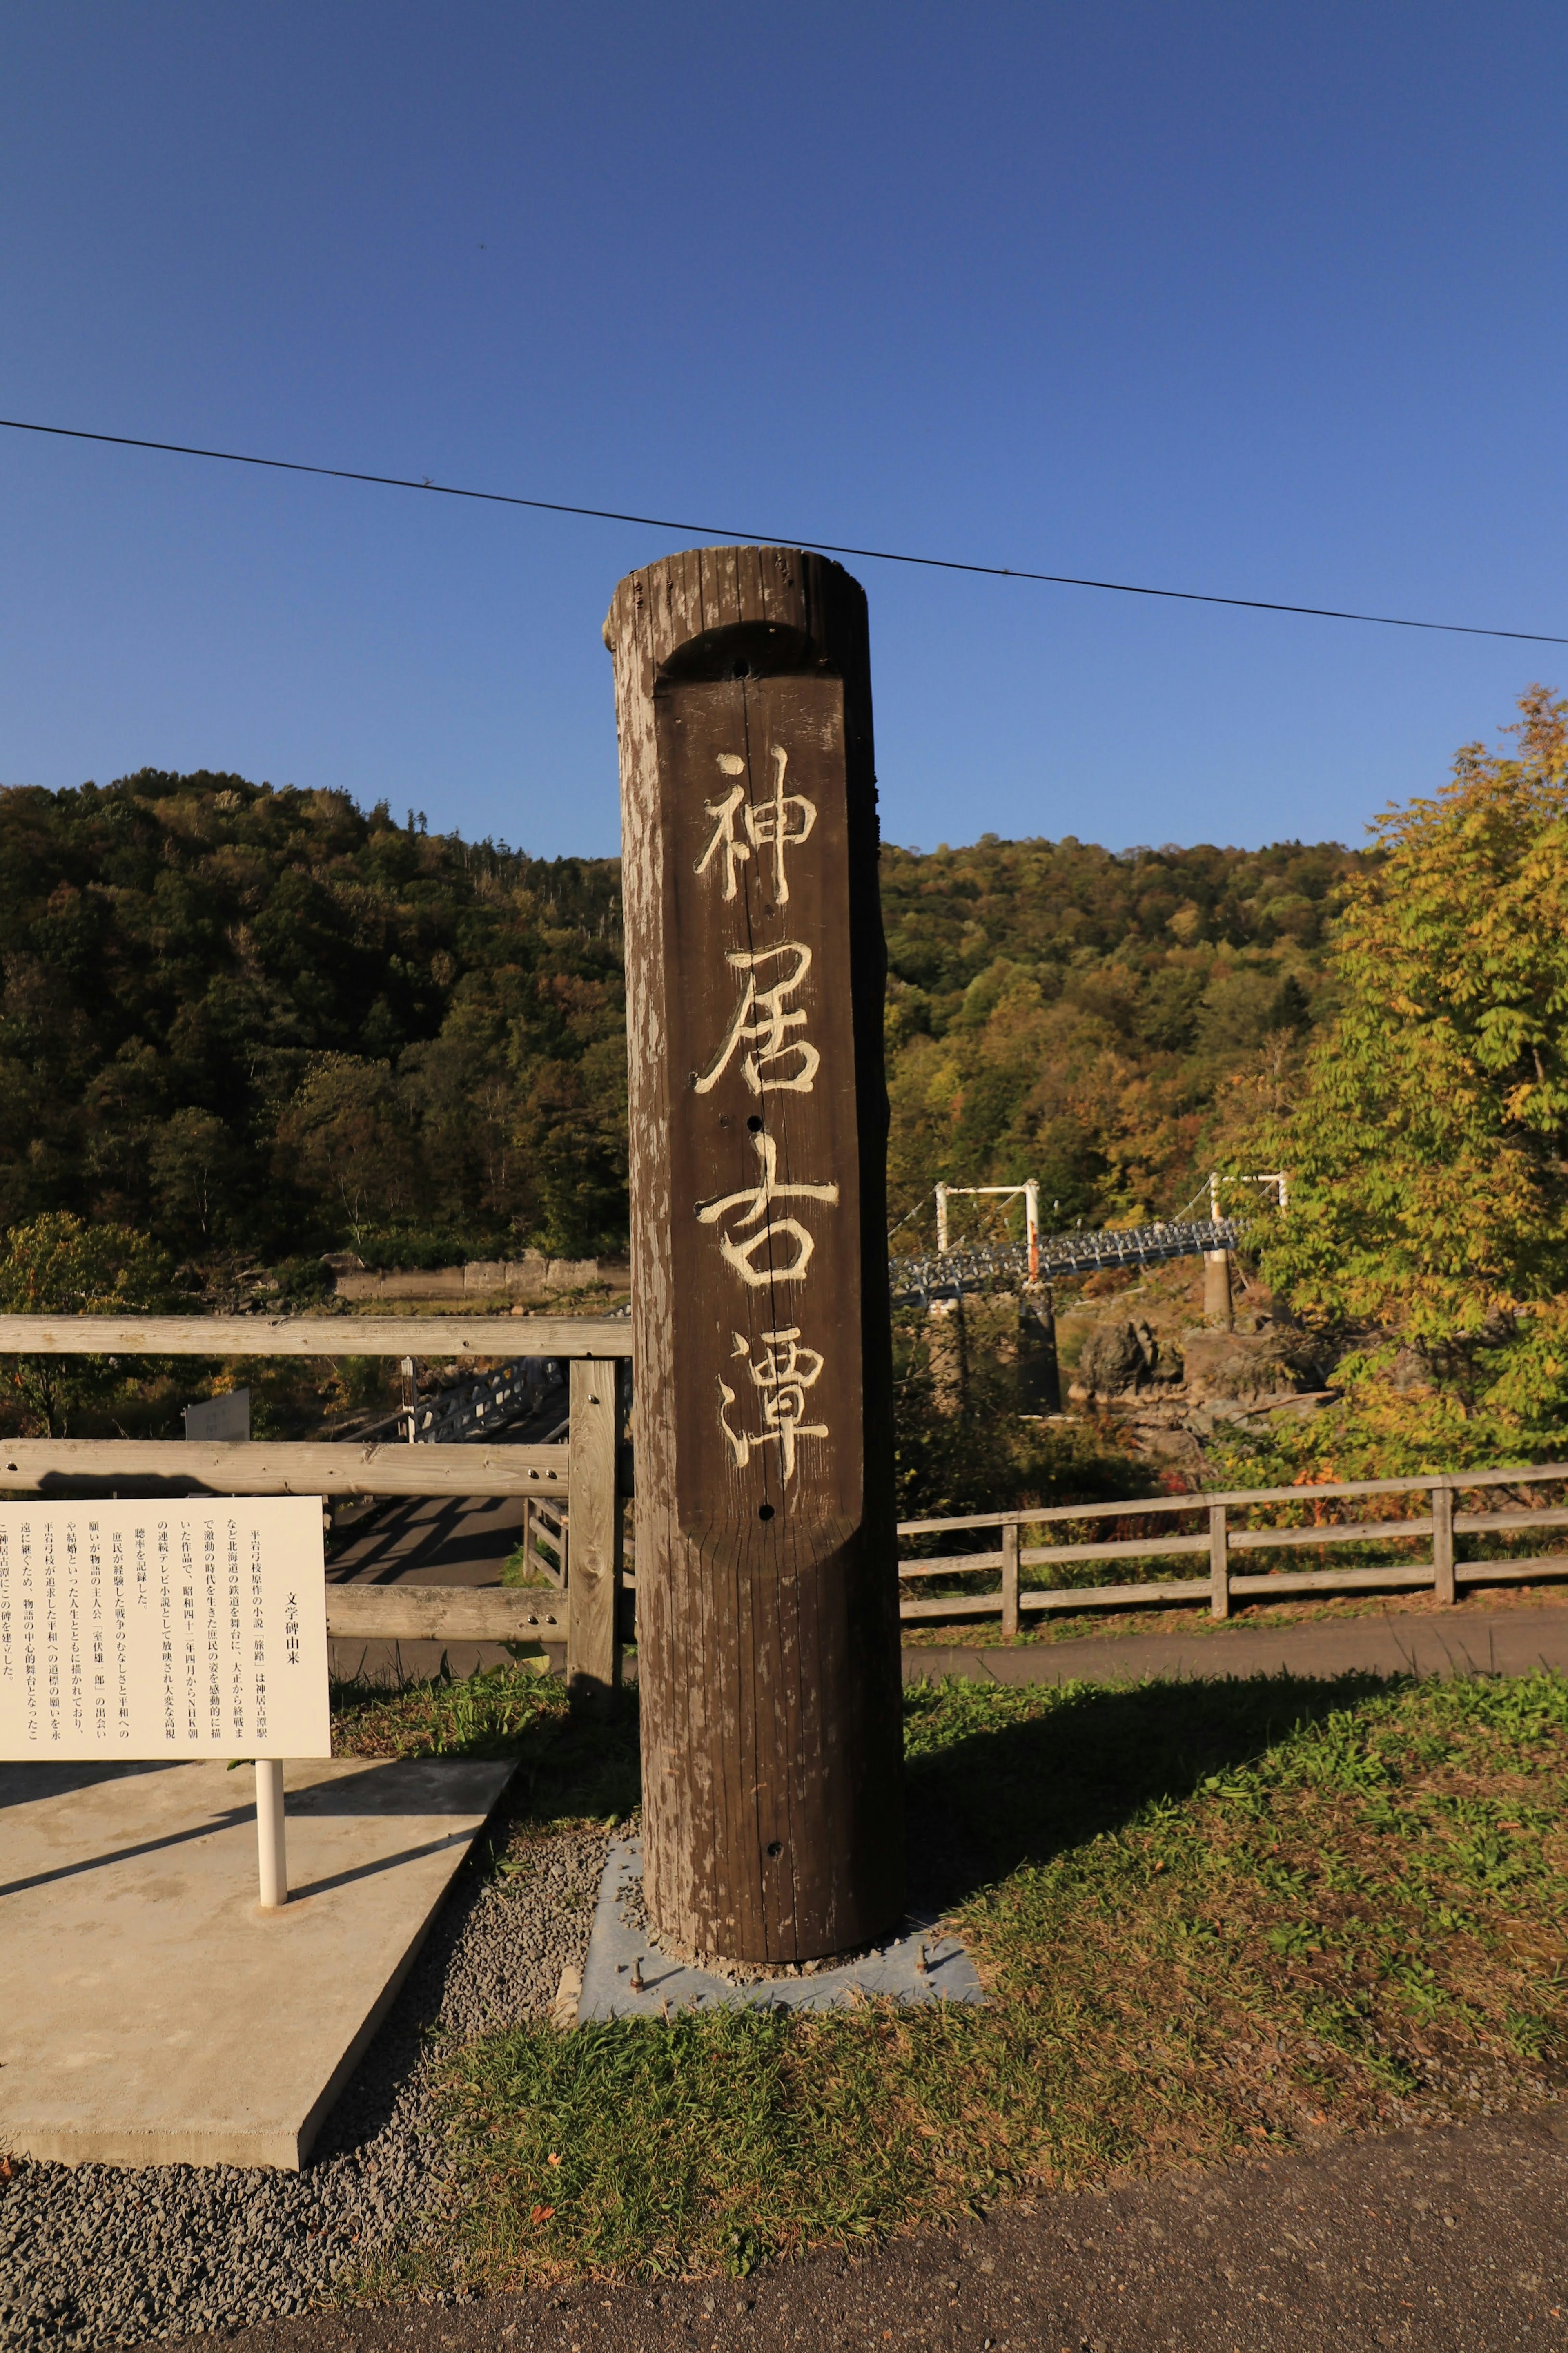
1443 1543
593 1652
1219 1562
1009 1579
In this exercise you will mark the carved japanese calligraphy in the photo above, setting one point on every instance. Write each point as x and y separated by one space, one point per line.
767 1054
786 1379
769 1031
776 824
751 1259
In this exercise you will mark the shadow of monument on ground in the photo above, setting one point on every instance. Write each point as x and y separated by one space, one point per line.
1016 1794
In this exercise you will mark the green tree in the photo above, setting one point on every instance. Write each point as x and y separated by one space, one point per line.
1428 1142
56 1265
345 1139
196 1172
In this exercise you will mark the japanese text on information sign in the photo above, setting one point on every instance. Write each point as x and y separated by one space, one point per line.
183 1627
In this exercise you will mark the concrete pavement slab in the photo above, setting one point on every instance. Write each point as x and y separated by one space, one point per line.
151 2013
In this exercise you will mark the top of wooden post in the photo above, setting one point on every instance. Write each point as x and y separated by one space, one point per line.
703 612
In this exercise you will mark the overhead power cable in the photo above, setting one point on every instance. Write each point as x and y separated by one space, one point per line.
777 539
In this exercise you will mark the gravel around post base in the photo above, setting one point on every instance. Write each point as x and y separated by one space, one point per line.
94 2256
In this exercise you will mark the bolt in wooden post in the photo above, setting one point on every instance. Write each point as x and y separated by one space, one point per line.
1219 1562
766 1547
272 1854
1009 1579
1443 1544
593 1652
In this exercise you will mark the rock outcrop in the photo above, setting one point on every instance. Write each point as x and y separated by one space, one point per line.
1124 1359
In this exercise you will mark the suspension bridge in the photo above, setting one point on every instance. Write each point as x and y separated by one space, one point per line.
995 1266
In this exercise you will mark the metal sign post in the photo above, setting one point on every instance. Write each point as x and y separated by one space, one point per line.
767 1596
272 1854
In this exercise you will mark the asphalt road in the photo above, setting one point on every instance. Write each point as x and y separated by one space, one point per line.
1402 1643
1431 2240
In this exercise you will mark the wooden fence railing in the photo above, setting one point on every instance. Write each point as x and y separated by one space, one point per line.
1226 1531
576 1491
589 1467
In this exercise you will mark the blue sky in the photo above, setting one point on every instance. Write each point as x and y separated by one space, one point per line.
1266 299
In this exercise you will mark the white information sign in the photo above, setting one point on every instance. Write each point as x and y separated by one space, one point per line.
191 1626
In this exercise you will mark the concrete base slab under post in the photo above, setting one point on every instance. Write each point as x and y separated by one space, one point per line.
626 1974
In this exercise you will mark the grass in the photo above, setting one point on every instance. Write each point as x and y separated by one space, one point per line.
572 1767
1211 1916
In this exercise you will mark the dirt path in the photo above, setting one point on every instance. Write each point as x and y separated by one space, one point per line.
1434 2241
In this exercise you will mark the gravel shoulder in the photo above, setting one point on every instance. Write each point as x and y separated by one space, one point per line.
99 2256
1430 2240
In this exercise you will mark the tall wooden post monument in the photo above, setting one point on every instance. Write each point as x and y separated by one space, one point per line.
766 1552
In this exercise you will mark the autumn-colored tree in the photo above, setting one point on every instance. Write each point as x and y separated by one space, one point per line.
1428 1144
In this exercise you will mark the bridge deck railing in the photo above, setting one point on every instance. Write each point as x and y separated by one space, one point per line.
1055 1257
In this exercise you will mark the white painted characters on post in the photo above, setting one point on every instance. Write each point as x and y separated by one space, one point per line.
765 1041
763 1023
751 1259
783 1376
780 823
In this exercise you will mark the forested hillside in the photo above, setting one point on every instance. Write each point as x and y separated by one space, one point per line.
1105 1022
263 1024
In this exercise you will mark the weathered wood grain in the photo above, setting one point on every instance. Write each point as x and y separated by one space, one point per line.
1442 1544
952 1564
1336 1580
766 1582
1009 1583
261 1468
593 1655
1120 1596
1343 1532
1119 1548
445 1613
1512 1572
441 1339
1503 1522
1219 1562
